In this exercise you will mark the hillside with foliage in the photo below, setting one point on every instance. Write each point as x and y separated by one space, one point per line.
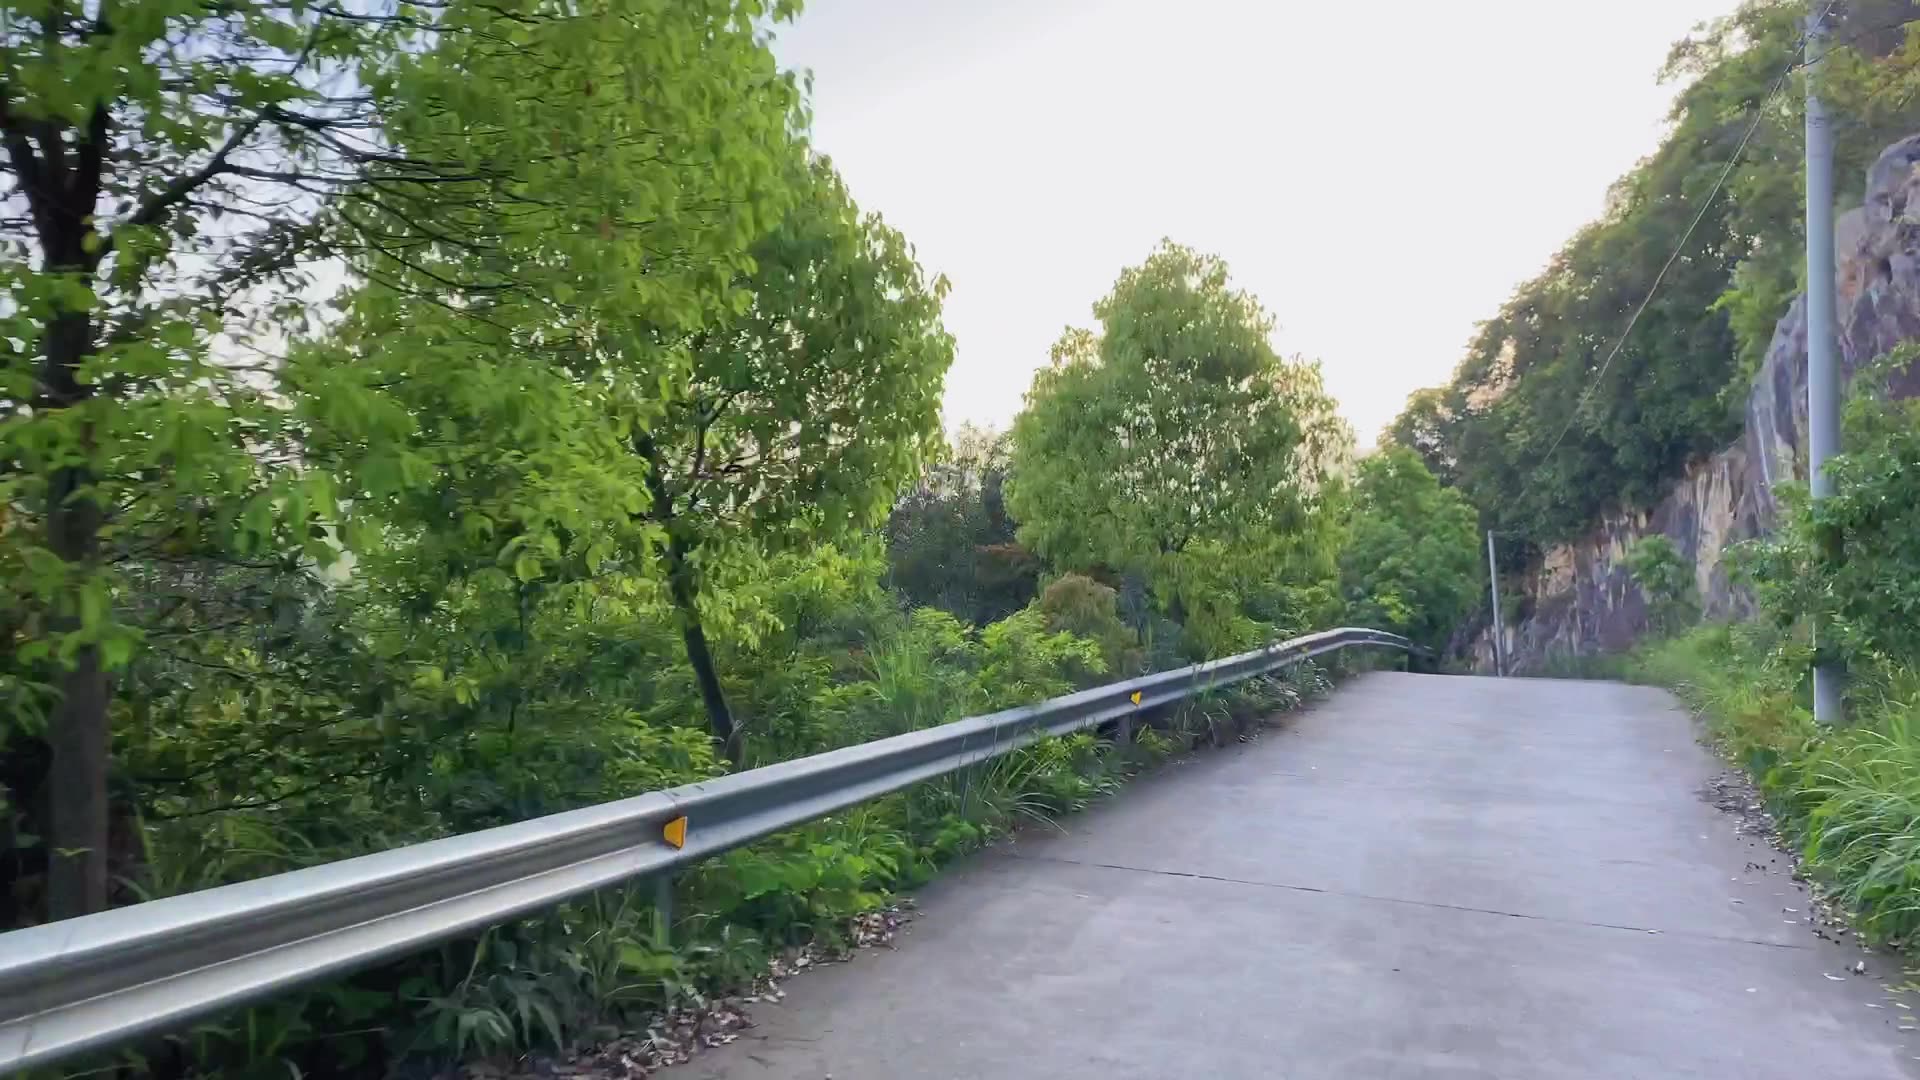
416 418
1636 409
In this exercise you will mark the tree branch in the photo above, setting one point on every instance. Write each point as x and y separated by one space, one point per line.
156 207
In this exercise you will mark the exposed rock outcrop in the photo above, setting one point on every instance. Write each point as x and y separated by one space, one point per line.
1582 600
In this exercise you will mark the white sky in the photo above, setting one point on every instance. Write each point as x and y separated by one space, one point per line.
1380 174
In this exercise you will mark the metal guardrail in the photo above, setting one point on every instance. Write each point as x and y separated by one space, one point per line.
86 983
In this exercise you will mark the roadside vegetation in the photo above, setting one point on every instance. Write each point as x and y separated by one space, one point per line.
422 417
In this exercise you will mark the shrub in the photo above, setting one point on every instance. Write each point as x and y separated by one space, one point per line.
1666 580
1849 561
1079 605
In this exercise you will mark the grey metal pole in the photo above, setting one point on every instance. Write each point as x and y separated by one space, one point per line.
1823 368
1493 591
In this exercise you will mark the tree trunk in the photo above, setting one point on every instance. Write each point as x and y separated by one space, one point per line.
78 732
77 876
61 183
685 589
699 656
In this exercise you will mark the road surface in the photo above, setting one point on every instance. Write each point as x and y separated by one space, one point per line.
1424 876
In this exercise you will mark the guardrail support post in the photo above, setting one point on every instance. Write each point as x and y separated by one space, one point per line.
663 906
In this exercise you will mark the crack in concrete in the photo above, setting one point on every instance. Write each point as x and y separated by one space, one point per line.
1398 900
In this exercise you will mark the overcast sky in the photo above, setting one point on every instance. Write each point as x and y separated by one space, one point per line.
1380 174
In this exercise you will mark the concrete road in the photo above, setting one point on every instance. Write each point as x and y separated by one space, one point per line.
1424 876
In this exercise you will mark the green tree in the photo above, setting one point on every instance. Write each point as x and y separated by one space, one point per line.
179 180
1175 443
1411 563
1424 427
801 416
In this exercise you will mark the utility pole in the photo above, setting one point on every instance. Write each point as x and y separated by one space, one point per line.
1823 367
1493 591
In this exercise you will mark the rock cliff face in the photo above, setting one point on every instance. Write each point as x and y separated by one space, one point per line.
1581 600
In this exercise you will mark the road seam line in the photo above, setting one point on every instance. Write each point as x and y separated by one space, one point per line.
1397 900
